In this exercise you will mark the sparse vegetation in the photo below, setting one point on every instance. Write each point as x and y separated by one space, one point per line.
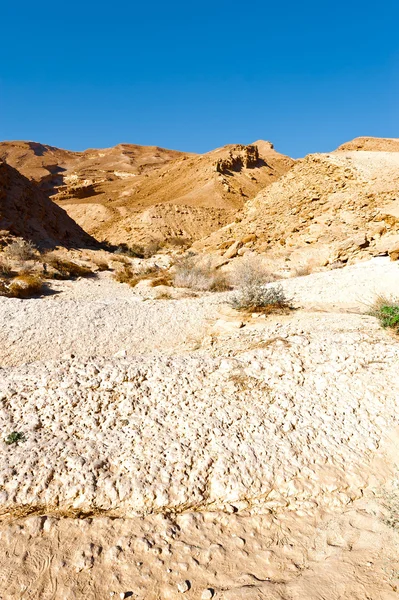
156 276
386 310
200 276
14 438
25 285
125 274
101 264
65 269
134 251
259 298
21 250
5 267
251 271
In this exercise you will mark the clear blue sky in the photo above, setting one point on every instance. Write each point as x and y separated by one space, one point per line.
196 75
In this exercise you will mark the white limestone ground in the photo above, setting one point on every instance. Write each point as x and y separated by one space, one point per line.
289 420
292 424
354 287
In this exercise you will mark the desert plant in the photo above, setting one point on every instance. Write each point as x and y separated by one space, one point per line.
125 274
178 242
101 264
134 251
259 298
249 272
152 248
21 250
5 267
65 269
14 438
25 285
386 310
156 276
201 276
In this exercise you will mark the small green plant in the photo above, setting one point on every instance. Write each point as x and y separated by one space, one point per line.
387 312
14 438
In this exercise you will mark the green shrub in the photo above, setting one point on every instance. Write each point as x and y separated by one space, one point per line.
387 312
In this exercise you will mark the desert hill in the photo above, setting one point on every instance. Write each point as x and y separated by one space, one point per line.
25 211
54 167
344 205
371 144
137 193
189 197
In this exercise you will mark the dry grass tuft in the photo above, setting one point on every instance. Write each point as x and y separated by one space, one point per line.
200 276
25 285
64 269
101 264
5 267
156 276
21 250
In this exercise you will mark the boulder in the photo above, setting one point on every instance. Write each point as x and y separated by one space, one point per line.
232 251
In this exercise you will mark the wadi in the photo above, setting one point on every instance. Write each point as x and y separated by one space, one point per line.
199 383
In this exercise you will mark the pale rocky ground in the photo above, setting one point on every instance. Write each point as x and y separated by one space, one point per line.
185 447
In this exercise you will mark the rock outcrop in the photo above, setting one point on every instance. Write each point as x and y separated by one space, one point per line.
343 204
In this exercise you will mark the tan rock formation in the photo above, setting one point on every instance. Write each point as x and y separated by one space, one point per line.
137 193
343 204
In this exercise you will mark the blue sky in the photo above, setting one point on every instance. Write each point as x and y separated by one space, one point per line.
196 75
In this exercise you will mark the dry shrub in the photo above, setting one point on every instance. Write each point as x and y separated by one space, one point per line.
178 242
121 259
125 274
24 286
21 250
307 267
154 274
101 264
249 272
134 251
65 269
5 267
152 248
200 276
259 298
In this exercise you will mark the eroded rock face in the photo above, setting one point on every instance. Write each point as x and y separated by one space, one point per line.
240 157
26 212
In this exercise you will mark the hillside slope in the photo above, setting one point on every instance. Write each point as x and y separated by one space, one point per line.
25 211
344 204
137 193
189 197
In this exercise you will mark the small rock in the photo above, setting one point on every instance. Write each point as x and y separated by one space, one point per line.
183 586
232 251
207 594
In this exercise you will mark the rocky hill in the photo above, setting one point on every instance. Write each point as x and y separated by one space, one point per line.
344 205
136 193
371 144
25 211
